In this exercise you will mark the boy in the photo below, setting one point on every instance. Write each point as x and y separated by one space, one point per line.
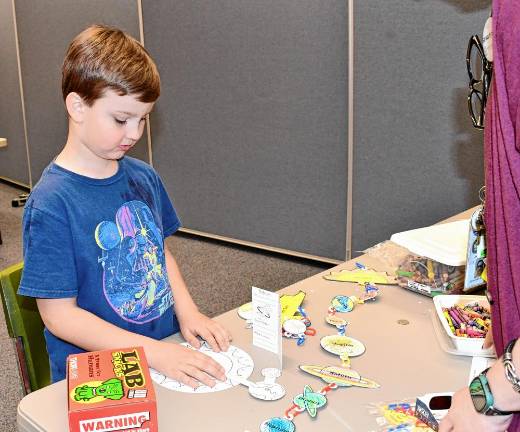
94 225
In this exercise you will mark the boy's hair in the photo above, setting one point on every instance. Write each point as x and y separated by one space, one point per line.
102 58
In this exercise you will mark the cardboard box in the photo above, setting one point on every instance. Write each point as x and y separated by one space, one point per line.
111 391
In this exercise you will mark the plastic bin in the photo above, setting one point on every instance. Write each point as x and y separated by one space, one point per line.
471 346
437 261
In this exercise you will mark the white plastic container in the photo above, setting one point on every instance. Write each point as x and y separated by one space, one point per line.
468 346
437 261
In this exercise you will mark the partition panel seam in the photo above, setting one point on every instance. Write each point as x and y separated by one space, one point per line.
141 35
20 81
350 127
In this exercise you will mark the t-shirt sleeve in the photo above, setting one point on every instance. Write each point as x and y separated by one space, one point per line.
170 220
49 265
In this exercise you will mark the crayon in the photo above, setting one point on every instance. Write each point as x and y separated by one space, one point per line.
450 322
455 318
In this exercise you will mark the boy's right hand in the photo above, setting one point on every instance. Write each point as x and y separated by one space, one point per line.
185 365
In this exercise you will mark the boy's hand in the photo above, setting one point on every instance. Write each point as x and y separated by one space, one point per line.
186 365
195 324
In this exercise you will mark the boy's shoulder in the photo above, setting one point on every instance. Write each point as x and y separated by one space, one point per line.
49 191
136 168
131 163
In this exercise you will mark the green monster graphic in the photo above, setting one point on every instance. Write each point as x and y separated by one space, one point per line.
109 389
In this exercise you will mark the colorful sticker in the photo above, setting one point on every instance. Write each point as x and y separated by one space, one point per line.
338 345
341 376
310 400
277 424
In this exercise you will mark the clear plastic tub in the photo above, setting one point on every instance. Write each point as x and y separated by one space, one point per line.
430 277
437 261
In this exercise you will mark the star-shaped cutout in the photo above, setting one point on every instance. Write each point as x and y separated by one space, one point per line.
310 400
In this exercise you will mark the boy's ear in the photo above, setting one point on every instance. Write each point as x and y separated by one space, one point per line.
75 106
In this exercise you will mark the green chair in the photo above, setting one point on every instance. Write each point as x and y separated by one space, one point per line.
25 326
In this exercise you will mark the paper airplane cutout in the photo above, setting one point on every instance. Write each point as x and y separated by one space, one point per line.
361 277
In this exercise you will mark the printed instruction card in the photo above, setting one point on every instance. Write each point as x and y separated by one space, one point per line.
267 332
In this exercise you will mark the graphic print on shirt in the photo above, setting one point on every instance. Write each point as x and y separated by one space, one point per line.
135 282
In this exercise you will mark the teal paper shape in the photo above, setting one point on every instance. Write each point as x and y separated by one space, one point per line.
310 400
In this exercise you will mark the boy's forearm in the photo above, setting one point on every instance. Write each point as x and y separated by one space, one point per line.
506 398
181 295
86 330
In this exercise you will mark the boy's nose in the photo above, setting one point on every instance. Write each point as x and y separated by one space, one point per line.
134 132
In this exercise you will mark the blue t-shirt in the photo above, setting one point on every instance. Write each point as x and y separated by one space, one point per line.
101 241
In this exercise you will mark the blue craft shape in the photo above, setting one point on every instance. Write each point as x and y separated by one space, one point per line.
343 303
277 424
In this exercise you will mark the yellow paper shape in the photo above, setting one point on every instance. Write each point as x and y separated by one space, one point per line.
484 274
290 303
361 277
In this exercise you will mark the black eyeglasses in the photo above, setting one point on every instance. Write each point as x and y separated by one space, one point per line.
479 71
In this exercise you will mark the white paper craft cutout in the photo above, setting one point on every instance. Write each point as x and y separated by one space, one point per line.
246 311
268 389
238 366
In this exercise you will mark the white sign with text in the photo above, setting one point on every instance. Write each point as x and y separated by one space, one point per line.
267 333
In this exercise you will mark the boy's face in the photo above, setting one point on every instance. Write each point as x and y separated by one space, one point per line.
113 124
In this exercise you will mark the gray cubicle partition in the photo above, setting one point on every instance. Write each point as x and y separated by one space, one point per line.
45 29
250 133
13 158
417 158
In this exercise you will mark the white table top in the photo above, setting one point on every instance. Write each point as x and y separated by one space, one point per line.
406 360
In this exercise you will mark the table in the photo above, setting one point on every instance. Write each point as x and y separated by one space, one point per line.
405 359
